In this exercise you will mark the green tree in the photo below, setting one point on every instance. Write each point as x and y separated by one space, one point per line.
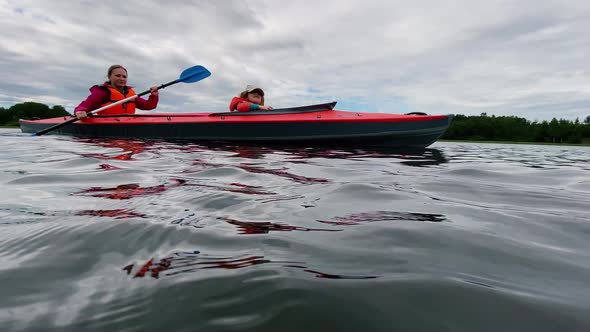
29 111
512 128
58 110
4 116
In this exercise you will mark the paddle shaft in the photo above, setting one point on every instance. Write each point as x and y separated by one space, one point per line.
74 119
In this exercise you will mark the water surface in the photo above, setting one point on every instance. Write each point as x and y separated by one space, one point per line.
125 235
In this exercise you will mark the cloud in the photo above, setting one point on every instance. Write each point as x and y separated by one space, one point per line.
525 58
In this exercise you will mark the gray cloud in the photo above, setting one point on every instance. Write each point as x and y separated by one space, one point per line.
525 58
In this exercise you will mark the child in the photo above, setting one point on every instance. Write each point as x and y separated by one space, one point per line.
249 100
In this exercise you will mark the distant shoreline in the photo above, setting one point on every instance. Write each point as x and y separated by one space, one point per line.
513 142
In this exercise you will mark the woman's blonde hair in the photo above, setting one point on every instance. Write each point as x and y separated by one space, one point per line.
244 95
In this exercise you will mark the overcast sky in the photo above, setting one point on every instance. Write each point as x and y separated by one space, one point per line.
528 58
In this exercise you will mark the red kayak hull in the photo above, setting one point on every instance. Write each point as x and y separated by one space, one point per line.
308 124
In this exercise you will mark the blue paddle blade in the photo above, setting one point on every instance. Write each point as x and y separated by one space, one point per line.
194 74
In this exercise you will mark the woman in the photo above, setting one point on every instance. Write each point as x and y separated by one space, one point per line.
113 90
249 100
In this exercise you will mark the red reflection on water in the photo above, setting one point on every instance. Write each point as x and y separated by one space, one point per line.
249 227
194 261
205 165
145 268
363 217
129 148
247 189
241 151
116 213
337 276
127 191
201 165
282 173
282 198
238 188
182 262
302 153
249 152
411 157
107 166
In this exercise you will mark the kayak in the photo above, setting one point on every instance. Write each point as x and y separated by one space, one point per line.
313 124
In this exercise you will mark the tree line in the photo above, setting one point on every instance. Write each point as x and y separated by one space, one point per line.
474 128
29 111
512 128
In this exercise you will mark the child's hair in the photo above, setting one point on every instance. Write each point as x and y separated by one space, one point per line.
113 67
244 95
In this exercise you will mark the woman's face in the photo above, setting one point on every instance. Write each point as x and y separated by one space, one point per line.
254 97
118 78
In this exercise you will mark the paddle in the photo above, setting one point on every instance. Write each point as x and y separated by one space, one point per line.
190 75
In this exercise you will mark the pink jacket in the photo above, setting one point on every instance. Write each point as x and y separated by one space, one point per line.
100 94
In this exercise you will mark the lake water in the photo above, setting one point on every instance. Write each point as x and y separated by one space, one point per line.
123 235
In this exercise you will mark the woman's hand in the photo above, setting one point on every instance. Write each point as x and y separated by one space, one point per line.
265 108
81 114
154 90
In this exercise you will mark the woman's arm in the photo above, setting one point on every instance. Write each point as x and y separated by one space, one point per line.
97 97
150 103
146 105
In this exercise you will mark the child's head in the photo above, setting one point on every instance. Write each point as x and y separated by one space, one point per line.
253 94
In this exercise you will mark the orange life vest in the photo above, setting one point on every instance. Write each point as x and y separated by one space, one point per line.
127 107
